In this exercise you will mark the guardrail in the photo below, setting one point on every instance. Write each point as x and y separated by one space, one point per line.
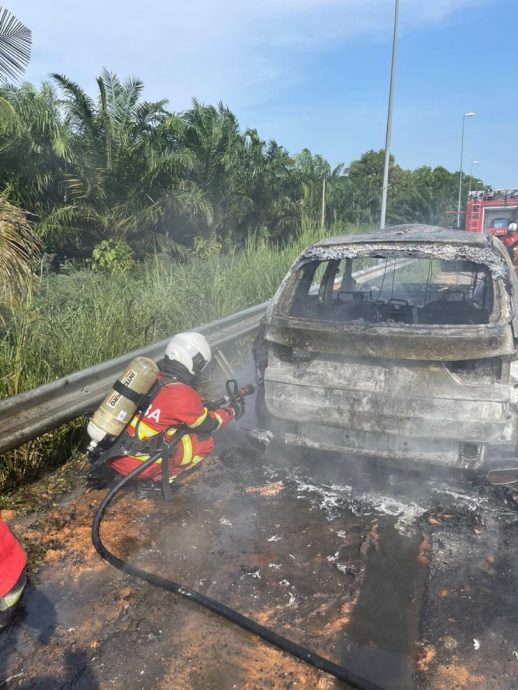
32 413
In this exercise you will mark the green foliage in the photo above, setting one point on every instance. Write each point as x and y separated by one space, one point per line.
114 256
206 247
18 249
71 321
117 167
34 150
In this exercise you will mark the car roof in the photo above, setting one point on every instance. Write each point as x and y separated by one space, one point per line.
412 233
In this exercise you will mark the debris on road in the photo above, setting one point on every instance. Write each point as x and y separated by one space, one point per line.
266 490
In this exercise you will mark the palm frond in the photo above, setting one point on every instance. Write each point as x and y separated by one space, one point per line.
128 98
9 120
149 113
15 46
110 90
61 223
79 104
18 246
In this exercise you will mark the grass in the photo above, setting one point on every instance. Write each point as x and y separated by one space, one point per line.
69 322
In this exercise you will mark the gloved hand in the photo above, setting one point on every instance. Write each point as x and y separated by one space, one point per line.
238 407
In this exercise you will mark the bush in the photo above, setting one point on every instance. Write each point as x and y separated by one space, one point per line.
114 256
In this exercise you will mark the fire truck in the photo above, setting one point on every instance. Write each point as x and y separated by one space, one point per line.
491 211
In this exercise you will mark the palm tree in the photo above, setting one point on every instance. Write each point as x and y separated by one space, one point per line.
312 171
17 242
124 154
213 139
34 148
275 187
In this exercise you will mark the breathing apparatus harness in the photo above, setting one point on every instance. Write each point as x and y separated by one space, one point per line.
125 445
163 442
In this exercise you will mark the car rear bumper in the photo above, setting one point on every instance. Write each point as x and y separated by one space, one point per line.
420 451
386 408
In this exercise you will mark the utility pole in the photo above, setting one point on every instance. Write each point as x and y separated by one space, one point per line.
323 217
461 156
388 135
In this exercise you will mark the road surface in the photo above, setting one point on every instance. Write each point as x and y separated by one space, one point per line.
409 580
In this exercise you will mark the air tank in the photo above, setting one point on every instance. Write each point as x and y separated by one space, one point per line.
116 410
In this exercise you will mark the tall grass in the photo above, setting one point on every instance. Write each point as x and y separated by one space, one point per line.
82 318
69 322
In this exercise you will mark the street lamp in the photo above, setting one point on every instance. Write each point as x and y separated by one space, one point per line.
323 217
461 155
471 174
389 120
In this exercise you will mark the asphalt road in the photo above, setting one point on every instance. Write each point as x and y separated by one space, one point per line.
409 580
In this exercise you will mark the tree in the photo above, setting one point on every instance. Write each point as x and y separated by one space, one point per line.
312 170
17 243
119 176
120 154
212 137
365 180
274 188
34 149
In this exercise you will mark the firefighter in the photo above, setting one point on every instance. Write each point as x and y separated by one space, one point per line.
511 235
174 402
511 242
12 570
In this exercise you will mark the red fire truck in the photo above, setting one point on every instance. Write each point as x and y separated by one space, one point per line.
491 211
495 212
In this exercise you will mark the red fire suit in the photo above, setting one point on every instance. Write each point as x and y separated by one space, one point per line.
511 242
175 404
12 560
509 239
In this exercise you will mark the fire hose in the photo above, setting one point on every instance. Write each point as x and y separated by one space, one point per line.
221 609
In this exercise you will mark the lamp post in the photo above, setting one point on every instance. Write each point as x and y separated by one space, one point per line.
388 135
323 215
471 174
461 156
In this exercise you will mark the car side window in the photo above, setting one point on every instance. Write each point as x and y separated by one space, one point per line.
310 283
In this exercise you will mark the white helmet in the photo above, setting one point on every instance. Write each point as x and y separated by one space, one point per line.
190 349
512 227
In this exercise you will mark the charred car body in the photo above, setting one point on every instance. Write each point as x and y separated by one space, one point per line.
397 345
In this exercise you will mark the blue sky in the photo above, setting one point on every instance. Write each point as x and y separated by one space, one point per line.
309 73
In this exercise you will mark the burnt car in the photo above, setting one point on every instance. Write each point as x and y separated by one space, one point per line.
398 344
